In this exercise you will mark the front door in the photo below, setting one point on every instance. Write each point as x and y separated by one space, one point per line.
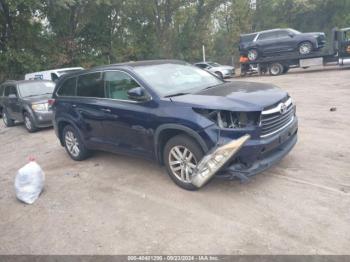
128 123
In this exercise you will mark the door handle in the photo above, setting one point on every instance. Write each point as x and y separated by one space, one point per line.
106 110
74 105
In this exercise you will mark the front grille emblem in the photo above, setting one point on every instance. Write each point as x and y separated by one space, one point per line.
283 108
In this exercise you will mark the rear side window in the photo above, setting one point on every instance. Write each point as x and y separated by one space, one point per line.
10 90
247 38
91 85
68 88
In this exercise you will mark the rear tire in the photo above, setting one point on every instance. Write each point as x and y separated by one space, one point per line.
181 155
29 123
74 144
275 69
7 120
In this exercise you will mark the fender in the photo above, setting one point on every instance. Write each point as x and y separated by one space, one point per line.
71 122
185 129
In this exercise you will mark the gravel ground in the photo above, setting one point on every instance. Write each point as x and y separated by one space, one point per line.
113 204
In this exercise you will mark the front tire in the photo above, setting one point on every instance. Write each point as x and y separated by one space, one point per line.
74 144
29 123
305 48
181 156
219 74
7 120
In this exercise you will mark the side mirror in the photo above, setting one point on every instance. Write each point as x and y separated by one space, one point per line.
137 94
12 96
291 35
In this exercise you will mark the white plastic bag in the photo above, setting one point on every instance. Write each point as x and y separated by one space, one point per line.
29 182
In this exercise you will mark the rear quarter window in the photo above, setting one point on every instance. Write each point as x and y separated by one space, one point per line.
247 38
68 88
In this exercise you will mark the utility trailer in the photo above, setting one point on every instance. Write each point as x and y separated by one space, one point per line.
338 54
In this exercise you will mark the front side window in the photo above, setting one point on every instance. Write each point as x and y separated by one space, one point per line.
118 84
282 34
68 88
91 85
267 36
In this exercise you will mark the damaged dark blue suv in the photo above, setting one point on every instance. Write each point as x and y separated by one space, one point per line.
194 123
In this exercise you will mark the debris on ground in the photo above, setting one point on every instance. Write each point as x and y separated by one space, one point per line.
29 182
333 108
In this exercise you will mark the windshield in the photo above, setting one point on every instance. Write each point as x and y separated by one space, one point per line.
213 64
294 31
36 88
172 79
62 72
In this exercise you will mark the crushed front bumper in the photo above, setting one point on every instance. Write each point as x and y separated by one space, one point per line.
278 147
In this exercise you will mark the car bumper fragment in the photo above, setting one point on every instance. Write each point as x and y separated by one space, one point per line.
215 160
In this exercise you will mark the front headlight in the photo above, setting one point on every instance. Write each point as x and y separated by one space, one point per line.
40 107
213 162
229 119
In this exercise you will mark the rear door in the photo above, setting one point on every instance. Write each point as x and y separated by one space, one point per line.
77 101
89 107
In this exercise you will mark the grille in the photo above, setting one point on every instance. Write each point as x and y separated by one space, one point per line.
277 118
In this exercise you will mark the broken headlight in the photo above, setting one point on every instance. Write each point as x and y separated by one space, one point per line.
229 119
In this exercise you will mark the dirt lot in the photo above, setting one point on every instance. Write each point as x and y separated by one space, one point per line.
112 204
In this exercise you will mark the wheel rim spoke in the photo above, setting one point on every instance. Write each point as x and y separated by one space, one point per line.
182 162
72 144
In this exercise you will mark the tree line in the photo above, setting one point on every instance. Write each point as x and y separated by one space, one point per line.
44 34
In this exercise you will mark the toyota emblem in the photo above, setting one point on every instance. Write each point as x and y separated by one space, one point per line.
283 108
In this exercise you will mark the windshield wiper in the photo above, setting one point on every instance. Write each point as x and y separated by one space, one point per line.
208 87
176 94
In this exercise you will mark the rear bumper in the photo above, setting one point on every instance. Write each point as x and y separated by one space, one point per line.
255 158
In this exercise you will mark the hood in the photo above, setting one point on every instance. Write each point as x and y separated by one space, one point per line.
235 96
314 34
37 99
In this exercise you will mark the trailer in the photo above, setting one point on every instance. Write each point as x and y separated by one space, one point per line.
337 54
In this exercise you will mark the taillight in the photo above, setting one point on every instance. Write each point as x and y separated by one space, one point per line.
51 102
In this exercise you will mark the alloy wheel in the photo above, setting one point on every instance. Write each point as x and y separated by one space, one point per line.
4 118
27 123
72 143
182 163
305 48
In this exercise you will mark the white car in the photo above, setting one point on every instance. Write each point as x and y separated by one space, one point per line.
52 75
220 70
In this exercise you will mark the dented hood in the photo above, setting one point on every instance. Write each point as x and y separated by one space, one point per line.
234 96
